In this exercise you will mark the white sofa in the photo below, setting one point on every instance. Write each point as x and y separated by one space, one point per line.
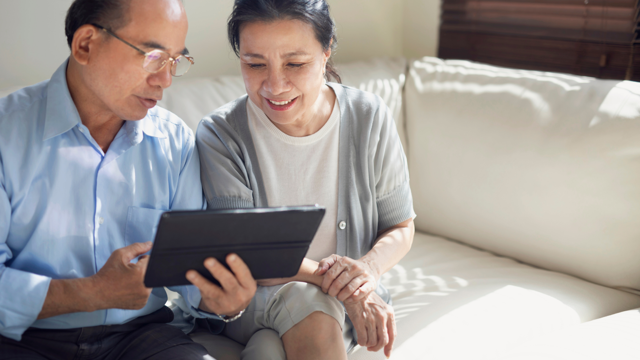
527 190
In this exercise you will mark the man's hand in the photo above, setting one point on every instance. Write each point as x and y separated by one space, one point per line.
120 283
347 279
236 292
374 322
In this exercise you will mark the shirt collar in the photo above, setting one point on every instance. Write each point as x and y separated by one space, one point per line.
61 114
136 129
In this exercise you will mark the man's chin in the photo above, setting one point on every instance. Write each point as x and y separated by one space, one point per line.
136 115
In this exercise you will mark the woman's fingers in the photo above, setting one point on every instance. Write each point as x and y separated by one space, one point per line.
372 334
362 292
392 331
341 282
381 332
332 274
325 264
350 289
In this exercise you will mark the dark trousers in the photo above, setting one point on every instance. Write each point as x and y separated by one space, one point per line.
147 337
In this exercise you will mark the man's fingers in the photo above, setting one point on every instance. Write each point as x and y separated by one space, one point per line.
134 250
338 284
241 271
206 287
392 331
222 274
142 263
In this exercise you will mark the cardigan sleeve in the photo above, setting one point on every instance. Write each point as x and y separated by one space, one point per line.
224 177
393 193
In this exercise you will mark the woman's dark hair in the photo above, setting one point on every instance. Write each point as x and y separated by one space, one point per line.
312 12
112 14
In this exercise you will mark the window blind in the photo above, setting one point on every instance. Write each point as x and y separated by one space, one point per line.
585 37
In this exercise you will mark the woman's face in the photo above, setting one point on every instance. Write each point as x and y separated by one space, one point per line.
283 69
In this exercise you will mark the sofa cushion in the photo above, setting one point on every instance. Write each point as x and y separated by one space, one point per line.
541 167
612 337
456 302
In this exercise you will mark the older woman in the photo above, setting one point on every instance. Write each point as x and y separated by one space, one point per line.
297 139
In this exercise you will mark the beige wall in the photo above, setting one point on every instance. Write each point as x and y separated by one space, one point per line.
33 44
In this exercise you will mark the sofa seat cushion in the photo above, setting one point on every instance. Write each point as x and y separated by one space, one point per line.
455 302
613 337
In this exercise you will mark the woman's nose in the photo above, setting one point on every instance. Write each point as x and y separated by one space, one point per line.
276 82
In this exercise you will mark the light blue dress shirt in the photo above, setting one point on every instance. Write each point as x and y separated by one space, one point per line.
65 206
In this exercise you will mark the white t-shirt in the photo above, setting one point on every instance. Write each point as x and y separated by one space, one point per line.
301 171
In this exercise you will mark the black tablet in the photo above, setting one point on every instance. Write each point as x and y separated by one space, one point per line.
271 241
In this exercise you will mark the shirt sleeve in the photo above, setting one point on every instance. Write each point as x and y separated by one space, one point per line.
189 196
22 294
393 193
224 180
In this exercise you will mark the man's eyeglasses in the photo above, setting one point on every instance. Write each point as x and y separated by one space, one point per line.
156 60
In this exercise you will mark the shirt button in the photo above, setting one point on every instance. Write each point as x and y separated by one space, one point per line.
342 225
100 220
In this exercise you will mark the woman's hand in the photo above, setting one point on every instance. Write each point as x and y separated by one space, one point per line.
375 323
347 279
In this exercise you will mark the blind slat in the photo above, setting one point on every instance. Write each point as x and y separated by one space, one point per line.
598 38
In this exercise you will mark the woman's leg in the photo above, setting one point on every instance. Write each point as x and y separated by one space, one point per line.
265 344
318 336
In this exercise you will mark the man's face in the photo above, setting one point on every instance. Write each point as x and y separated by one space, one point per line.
114 72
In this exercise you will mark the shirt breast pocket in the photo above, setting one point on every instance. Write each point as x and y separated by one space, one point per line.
142 224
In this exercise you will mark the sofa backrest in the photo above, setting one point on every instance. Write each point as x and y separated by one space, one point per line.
541 167
193 98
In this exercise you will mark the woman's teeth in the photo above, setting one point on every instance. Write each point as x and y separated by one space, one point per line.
280 103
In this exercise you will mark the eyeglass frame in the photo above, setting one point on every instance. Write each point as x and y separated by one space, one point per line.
171 59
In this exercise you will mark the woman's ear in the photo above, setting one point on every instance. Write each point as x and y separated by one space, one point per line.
83 42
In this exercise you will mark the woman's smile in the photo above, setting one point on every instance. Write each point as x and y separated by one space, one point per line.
281 105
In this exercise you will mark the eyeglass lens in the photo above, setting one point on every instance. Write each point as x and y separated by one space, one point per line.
157 59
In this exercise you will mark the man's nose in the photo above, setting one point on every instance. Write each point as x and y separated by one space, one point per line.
163 77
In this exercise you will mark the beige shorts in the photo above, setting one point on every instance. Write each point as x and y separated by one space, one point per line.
276 309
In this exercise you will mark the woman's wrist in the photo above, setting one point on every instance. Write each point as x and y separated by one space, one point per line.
307 272
374 268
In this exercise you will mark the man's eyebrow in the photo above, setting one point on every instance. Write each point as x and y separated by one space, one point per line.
154 45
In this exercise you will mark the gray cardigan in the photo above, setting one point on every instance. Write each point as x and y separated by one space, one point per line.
231 176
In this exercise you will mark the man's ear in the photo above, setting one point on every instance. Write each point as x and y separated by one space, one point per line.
84 41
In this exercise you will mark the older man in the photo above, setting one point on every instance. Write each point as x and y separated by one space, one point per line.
87 165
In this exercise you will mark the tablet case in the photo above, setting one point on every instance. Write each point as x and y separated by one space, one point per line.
271 241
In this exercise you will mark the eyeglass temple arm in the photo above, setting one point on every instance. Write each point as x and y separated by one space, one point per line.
119 38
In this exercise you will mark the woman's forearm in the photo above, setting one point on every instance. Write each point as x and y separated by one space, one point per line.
307 273
391 246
